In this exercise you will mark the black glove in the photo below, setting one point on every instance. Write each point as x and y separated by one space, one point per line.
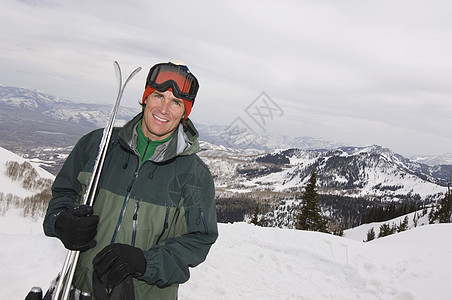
117 261
77 227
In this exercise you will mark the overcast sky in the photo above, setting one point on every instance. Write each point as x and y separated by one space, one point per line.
360 72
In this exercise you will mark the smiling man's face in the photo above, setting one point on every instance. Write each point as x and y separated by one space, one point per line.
162 115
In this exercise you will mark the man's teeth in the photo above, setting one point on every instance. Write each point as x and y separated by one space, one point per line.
160 119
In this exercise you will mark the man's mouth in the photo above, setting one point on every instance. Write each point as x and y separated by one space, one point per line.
160 119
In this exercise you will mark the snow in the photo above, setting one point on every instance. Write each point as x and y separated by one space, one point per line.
360 233
267 263
9 186
6 156
250 262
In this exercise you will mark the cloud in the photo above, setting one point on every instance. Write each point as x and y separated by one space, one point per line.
362 71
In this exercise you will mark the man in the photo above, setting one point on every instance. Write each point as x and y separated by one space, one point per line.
154 212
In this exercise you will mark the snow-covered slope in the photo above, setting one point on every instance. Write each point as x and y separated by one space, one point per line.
249 262
12 195
14 186
415 219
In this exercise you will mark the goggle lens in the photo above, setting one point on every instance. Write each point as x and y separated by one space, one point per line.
164 76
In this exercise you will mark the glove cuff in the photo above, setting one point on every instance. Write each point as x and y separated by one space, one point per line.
141 265
50 226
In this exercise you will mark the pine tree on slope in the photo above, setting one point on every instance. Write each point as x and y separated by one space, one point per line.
310 218
443 211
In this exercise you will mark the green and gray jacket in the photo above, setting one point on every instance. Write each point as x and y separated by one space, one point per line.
164 206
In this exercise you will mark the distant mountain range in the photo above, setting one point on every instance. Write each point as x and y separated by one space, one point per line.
33 123
270 169
44 128
368 172
61 122
350 181
433 160
32 119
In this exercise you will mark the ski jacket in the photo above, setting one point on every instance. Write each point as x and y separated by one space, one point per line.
164 206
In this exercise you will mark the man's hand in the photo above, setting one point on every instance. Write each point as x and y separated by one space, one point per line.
117 261
77 227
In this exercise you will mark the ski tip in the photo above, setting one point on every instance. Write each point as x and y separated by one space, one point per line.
34 294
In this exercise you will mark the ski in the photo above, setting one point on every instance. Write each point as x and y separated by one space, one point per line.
61 289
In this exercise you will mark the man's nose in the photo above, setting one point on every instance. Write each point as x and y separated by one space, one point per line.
164 105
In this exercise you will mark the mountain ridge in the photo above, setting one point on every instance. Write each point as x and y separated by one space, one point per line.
366 174
60 122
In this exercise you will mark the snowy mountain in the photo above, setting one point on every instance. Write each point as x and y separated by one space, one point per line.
433 160
45 127
42 114
57 108
349 181
220 135
357 172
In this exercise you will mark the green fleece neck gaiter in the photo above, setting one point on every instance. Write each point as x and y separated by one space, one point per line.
145 146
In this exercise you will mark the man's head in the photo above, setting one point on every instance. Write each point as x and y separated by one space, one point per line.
168 98
176 78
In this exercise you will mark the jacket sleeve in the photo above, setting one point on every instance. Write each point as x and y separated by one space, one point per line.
66 189
169 263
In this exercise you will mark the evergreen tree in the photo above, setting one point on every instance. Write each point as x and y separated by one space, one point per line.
424 211
403 225
391 212
255 219
443 211
263 221
385 230
370 235
432 215
415 219
310 218
394 228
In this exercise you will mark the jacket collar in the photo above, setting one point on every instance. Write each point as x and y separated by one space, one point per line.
184 142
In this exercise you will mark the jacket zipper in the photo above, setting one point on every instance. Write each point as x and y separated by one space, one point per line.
124 206
135 222
165 225
123 210
204 222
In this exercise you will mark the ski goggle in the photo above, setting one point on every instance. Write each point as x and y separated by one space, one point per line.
179 79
